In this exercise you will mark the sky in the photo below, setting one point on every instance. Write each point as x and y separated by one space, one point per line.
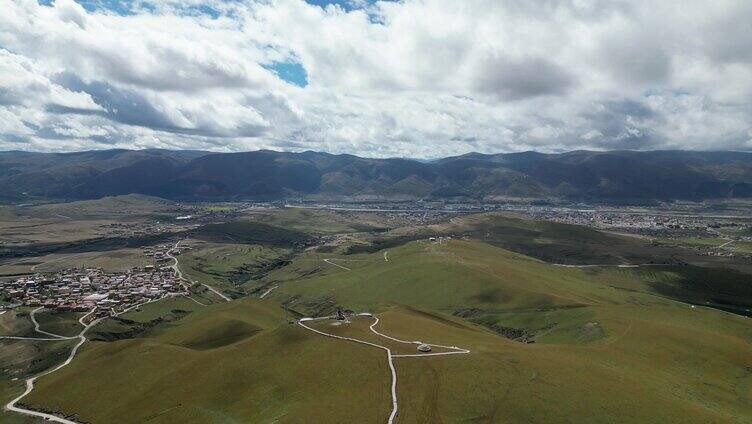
410 78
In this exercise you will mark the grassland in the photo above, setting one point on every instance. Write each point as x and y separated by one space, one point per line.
7 213
147 318
230 268
106 207
318 221
548 241
237 363
63 323
601 345
549 343
16 323
230 363
39 233
111 260
246 232
51 230
23 358
745 247
693 241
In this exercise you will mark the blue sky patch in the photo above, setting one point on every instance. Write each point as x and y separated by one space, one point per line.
344 4
292 72
121 7
130 7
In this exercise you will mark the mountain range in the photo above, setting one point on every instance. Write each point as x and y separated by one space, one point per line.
611 176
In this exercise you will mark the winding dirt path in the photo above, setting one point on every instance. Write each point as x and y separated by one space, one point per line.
179 274
607 265
390 357
11 406
267 292
329 261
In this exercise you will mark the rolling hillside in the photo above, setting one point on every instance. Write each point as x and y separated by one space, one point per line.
601 346
619 176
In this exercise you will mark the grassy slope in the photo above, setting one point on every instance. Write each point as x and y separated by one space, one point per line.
127 205
654 360
62 323
321 221
21 359
145 318
233 363
548 241
228 266
687 359
693 241
6 213
447 277
244 232
263 372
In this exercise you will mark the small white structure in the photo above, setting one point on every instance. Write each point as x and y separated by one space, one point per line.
424 348
96 297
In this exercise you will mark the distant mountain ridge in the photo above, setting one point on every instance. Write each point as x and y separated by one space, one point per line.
613 176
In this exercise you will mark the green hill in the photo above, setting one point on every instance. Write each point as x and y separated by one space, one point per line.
548 344
231 363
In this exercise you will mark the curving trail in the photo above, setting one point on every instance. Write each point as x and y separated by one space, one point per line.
607 265
217 292
454 349
196 301
389 355
725 244
329 261
267 292
39 330
11 406
179 274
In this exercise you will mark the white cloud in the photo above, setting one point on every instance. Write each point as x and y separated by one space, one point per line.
412 78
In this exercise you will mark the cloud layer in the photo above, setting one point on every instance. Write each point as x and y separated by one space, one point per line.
420 78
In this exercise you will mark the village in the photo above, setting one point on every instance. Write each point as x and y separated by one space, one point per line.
84 289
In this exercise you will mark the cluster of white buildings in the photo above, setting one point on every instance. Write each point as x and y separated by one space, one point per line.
162 252
83 289
635 222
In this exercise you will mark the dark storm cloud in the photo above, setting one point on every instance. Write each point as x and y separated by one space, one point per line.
623 124
638 56
132 108
124 106
516 79
15 138
732 44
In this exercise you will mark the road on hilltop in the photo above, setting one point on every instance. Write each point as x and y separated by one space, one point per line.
390 357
